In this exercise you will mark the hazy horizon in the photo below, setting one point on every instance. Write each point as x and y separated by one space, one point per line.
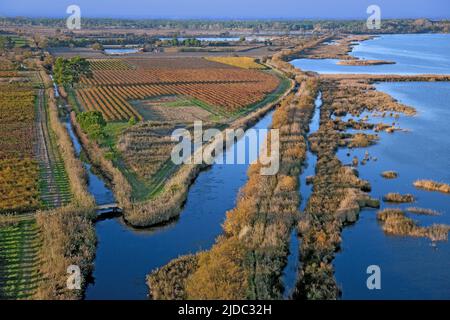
227 9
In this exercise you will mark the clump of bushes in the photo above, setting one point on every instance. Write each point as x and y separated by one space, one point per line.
389 174
398 198
431 185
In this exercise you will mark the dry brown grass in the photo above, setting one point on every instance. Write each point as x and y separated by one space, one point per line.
431 185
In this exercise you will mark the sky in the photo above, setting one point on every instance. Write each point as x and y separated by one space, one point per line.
228 9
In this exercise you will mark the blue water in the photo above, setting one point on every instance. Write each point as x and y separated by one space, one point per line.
289 276
120 51
413 54
219 39
125 255
411 268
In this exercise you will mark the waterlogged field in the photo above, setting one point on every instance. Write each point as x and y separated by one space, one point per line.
216 86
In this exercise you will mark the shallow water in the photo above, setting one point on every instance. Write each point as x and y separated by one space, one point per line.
125 255
413 54
411 268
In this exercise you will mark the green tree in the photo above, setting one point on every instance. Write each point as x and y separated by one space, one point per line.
70 71
93 123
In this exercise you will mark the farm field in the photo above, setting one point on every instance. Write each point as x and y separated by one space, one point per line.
19 258
220 87
32 173
240 62
19 171
162 109
166 94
